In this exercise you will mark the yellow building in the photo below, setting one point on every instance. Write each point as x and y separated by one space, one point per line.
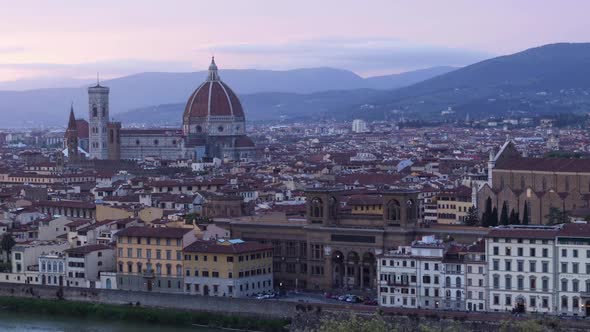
228 268
453 205
366 204
150 258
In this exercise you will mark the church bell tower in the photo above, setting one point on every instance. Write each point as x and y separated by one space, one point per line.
98 119
72 138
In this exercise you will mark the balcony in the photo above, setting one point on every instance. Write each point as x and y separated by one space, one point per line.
148 274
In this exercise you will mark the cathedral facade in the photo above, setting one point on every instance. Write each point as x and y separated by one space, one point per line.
213 127
537 184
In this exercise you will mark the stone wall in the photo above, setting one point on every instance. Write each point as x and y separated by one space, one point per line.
266 308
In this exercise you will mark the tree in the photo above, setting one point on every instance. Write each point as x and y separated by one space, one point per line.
486 217
7 244
556 216
525 215
494 217
471 218
514 218
504 220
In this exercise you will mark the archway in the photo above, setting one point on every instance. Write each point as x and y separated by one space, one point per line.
352 271
337 269
587 308
520 304
368 270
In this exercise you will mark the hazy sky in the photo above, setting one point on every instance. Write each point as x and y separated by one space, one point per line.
66 38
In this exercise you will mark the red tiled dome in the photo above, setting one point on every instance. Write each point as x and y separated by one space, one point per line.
213 98
244 142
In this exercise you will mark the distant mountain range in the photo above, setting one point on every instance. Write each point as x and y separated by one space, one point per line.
547 79
542 80
50 106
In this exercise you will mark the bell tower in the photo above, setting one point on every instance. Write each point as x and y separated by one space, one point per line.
98 119
72 138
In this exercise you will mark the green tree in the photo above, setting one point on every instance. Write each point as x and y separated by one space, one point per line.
556 216
504 220
486 217
7 244
494 217
514 218
471 218
525 215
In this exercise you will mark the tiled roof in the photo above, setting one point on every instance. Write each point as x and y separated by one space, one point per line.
545 164
216 247
161 232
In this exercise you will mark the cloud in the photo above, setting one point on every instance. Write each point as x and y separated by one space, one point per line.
107 69
360 55
11 49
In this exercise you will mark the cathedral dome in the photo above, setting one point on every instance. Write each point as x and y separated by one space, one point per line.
213 98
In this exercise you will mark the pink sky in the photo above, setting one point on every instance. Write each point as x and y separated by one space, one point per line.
45 38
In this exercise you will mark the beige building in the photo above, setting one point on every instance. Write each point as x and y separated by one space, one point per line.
150 258
228 268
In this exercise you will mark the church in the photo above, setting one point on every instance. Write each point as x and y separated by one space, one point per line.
213 126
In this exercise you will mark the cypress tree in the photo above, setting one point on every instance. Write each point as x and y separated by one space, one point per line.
504 215
494 217
487 214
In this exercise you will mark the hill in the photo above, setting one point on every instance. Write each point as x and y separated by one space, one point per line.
50 106
546 79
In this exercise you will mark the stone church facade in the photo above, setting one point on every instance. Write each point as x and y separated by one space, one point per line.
213 127
543 183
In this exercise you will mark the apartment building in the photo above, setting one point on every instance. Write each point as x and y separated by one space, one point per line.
410 276
150 258
572 246
475 262
227 268
521 264
84 264
453 205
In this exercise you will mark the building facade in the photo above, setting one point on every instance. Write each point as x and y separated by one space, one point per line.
231 268
150 259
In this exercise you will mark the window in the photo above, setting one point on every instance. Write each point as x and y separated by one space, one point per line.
575 253
519 251
508 251
575 285
496 299
545 267
545 252
496 281
520 283
496 251
520 266
508 265
532 266
533 283
563 252
564 285
508 300
564 302
532 252
545 282
563 267
575 268
507 282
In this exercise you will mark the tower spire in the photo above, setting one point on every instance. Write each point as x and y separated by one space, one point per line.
97 79
72 121
213 76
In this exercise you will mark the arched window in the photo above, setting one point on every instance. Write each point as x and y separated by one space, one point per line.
139 266
393 210
333 207
458 282
156 142
317 209
448 282
104 111
458 294
94 111
129 267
